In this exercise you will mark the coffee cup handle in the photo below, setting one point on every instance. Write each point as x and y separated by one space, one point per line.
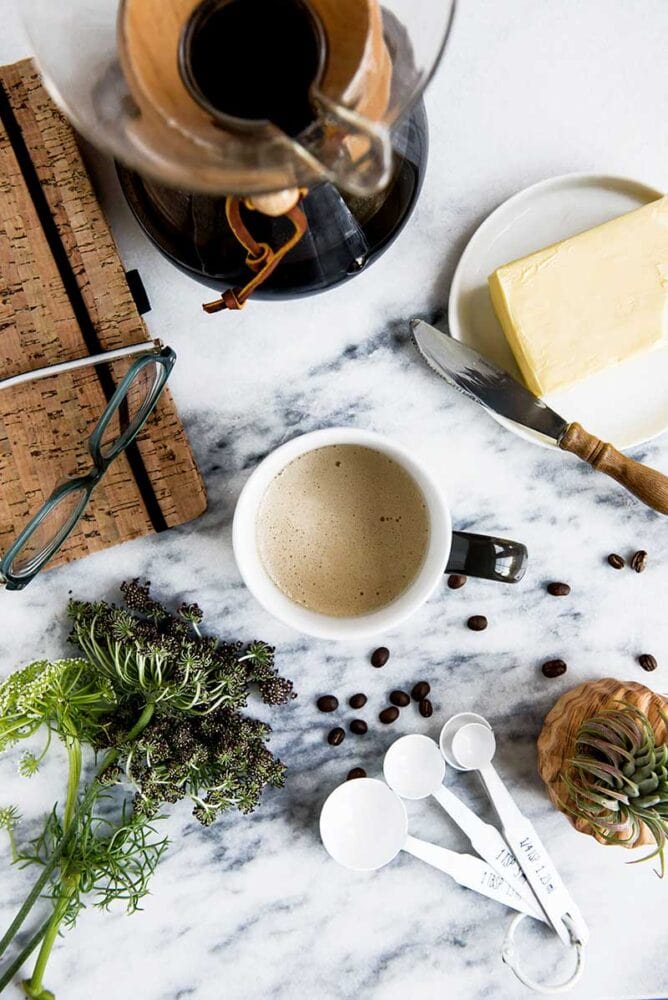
487 558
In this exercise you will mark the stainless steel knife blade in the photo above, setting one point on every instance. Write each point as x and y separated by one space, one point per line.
484 382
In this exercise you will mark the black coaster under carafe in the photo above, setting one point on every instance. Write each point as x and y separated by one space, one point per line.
346 234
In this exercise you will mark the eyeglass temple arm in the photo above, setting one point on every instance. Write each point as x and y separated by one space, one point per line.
94 359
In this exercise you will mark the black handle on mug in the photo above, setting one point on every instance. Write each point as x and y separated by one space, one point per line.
487 558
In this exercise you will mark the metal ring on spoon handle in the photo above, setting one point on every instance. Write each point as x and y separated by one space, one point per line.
511 959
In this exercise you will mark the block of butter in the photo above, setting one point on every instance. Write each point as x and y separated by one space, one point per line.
588 302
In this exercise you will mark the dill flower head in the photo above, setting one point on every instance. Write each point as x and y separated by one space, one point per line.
65 695
9 817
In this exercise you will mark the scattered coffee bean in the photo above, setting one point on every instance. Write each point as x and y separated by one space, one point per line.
328 703
357 700
647 662
616 561
380 656
426 708
639 561
554 668
420 691
389 715
336 737
357 772
477 623
558 589
456 581
359 727
400 699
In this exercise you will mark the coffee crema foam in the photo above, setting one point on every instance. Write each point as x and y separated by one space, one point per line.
343 530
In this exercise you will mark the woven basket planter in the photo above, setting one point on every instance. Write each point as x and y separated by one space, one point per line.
556 743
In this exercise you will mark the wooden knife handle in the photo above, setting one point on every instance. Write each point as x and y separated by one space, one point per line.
647 484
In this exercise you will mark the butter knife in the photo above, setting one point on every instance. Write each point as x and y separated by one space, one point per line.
484 382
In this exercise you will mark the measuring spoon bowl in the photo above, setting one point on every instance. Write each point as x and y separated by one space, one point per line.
473 746
451 727
413 767
363 825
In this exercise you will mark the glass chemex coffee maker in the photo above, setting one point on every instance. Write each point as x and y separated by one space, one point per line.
270 147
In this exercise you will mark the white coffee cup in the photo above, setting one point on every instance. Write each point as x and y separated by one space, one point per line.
447 551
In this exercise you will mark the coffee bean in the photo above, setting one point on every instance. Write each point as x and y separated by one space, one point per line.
389 715
558 589
426 708
639 561
420 690
616 561
359 727
400 699
380 656
328 703
477 623
648 662
336 737
357 700
456 581
357 772
554 668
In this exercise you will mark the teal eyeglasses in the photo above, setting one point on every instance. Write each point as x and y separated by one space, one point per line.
125 415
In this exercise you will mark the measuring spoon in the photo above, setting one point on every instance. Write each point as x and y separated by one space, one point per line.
364 826
473 746
414 768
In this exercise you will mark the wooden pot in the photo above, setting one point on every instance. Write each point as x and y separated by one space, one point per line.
556 743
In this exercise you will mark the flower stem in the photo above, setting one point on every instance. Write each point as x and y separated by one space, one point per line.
34 987
12 845
53 861
23 957
73 778
110 758
141 723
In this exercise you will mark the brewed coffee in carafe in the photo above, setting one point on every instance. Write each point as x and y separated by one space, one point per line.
284 81
254 60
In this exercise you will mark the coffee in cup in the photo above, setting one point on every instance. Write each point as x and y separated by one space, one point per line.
343 530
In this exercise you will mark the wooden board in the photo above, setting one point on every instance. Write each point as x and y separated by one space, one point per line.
64 295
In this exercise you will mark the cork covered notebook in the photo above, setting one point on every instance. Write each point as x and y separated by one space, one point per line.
64 295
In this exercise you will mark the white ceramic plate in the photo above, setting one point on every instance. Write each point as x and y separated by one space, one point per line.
626 404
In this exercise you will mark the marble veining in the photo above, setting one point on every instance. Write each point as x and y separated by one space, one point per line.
252 908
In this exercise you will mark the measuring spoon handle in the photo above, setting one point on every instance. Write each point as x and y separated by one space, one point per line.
489 844
467 871
534 860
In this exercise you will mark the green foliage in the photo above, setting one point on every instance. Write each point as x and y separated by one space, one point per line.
162 701
220 761
144 651
110 860
618 778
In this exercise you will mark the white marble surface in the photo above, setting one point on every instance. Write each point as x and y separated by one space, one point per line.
253 908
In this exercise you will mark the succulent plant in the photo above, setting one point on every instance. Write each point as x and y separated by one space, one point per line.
617 779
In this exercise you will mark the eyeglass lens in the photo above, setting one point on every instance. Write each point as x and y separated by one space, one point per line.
49 534
133 409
